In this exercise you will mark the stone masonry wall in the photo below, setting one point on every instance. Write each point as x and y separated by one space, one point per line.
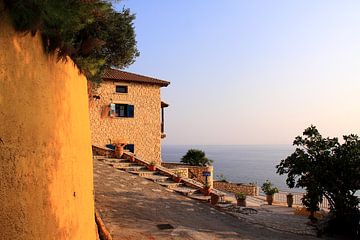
143 130
250 190
177 168
194 172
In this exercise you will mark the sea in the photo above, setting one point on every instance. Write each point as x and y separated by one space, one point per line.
240 163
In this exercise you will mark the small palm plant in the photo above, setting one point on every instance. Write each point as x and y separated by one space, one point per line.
195 157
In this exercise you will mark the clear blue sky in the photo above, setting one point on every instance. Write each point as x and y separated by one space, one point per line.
252 72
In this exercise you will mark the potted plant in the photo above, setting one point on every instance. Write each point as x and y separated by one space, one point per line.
214 199
132 158
241 199
290 199
177 177
269 190
152 166
207 189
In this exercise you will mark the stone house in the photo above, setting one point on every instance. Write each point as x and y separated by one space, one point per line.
127 107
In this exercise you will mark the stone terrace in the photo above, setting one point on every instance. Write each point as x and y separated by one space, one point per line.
134 208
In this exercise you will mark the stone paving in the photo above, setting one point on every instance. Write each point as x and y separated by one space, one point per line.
275 217
134 208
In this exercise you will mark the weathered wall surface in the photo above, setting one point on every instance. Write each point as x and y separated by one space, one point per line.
176 168
46 186
194 172
248 189
143 130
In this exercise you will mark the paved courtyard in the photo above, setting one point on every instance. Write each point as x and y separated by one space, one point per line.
135 208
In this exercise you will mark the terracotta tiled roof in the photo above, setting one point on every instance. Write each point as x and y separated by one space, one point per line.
164 104
118 75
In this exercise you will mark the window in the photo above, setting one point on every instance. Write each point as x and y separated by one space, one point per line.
130 148
121 89
121 110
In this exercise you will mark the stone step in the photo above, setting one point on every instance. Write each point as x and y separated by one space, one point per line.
218 192
200 197
124 164
170 184
143 173
185 190
113 160
157 178
119 164
131 168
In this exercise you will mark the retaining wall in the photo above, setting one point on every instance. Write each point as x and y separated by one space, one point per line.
248 189
194 172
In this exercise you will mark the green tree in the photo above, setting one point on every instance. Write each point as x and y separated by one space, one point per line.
90 32
325 169
195 157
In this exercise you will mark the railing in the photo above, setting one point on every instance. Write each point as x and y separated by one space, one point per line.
281 198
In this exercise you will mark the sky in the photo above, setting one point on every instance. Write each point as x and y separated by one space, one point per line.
251 72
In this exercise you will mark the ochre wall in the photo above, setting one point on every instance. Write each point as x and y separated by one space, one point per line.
46 185
144 130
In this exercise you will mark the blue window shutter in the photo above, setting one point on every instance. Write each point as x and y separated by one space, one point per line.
130 111
130 147
110 146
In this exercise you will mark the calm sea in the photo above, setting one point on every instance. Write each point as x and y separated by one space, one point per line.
239 163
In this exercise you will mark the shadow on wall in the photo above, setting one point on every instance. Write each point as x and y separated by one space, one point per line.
46 189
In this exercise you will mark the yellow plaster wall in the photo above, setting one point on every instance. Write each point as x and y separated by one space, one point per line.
144 130
46 179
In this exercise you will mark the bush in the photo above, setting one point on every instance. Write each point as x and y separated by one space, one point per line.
90 32
326 169
196 157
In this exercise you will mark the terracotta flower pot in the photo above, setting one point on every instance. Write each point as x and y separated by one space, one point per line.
177 179
270 199
152 167
206 191
241 202
214 199
119 151
290 200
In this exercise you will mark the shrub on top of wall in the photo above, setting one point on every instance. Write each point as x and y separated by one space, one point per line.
90 32
195 157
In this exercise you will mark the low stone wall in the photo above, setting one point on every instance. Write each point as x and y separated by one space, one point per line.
251 190
194 172
177 168
183 172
